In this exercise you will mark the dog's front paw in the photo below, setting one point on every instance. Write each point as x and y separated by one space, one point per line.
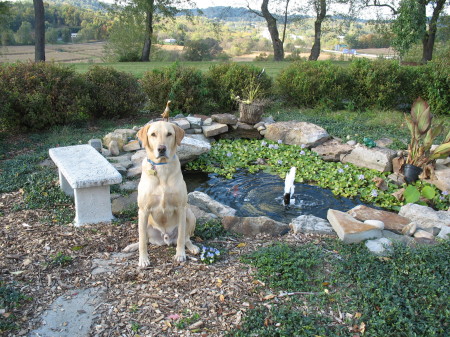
194 249
144 261
180 257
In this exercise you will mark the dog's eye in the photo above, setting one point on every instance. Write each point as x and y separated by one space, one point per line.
153 134
169 134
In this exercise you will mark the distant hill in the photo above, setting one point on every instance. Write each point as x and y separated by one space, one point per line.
86 4
227 13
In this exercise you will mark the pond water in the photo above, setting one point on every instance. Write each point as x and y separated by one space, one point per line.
258 194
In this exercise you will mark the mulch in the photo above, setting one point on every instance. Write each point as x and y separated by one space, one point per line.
166 299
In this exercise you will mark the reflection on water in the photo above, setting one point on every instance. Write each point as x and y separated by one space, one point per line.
257 194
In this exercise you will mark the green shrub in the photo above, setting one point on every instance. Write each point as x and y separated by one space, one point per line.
382 83
186 87
113 93
308 84
436 86
232 78
40 95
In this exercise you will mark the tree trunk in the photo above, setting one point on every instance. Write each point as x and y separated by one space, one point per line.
321 11
430 35
39 42
145 57
278 50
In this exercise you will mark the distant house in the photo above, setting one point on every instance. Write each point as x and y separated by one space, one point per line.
74 35
170 41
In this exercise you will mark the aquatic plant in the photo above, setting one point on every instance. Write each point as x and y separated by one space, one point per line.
346 180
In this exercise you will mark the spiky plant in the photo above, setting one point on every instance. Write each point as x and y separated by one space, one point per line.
423 133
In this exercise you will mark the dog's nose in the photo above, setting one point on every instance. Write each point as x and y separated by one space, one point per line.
162 149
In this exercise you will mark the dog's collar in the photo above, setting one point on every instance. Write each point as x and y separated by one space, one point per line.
155 164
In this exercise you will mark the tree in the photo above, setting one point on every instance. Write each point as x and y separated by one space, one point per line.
39 29
428 32
409 26
320 7
277 43
202 50
23 34
152 10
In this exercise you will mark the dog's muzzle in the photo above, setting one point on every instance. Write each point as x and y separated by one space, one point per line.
162 149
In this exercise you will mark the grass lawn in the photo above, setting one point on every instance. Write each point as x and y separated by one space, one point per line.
139 68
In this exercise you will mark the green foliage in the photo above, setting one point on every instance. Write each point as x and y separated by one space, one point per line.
184 322
10 298
310 84
232 79
60 260
382 84
40 95
202 49
42 191
401 295
435 80
210 230
346 180
113 93
186 87
289 268
409 26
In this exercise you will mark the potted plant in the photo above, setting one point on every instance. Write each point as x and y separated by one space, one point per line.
423 133
251 106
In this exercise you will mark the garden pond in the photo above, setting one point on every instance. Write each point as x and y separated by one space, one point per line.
261 194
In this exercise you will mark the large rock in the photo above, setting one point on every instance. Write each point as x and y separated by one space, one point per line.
332 150
196 122
225 119
123 160
133 145
441 177
123 203
252 226
377 158
392 221
381 247
120 138
201 216
208 204
191 148
351 230
214 129
128 133
311 224
138 157
296 133
425 217
182 123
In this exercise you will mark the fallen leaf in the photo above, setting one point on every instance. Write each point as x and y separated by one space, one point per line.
221 298
17 272
358 315
269 297
242 244
173 316
219 282
362 327
326 284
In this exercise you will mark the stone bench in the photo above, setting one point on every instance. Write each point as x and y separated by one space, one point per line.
86 175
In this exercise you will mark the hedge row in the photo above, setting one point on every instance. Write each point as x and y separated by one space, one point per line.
365 84
40 95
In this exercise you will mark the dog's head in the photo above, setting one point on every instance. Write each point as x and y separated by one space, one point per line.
160 140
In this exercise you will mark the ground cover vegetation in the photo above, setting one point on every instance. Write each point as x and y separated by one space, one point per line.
333 289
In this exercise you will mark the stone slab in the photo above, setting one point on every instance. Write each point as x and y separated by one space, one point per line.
308 223
208 204
425 217
381 247
252 226
392 221
214 129
296 133
83 166
332 150
134 145
225 119
377 158
350 230
70 315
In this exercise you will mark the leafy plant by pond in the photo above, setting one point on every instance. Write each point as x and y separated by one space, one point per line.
346 180
352 293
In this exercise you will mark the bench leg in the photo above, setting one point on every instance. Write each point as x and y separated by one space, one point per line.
64 184
92 205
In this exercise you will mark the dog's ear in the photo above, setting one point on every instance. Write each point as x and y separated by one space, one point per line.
179 134
142 135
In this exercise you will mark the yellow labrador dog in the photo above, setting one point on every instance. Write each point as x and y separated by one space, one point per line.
164 215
